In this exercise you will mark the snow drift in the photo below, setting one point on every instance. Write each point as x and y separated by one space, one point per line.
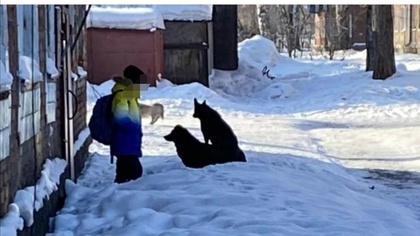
255 54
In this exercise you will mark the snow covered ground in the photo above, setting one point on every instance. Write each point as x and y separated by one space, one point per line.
330 152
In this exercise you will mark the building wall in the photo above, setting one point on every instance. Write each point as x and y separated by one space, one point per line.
358 26
28 151
407 28
22 167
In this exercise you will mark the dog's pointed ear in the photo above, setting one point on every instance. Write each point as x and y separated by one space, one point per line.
204 102
195 101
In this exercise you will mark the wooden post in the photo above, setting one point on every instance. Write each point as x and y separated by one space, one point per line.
225 34
41 141
13 67
370 42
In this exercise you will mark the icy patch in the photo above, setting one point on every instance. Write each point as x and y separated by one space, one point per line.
6 79
24 203
140 18
29 70
51 69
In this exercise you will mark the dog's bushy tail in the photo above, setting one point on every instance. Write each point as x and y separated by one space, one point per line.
163 112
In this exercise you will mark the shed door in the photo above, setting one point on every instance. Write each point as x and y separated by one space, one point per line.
186 48
186 64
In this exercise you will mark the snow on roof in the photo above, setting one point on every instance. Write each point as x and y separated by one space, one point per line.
141 18
145 16
186 12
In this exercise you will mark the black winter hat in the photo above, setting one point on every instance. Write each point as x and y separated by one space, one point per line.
132 72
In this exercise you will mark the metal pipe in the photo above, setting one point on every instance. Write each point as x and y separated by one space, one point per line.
410 30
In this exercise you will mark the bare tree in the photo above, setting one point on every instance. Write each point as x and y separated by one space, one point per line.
295 20
263 17
247 21
337 20
285 25
382 23
370 42
270 23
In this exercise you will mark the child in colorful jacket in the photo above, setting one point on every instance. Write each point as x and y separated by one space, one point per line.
126 125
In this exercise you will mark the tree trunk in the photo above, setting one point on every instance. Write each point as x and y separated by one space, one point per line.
384 51
296 27
331 30
247 21
262 20
370 42
225 35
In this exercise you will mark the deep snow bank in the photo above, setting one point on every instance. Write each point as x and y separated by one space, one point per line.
232 199
26 202
255 54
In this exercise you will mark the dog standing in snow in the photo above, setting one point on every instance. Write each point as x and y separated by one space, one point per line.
155 111
195 154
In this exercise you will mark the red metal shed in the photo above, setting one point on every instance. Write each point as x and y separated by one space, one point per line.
117 37
109 51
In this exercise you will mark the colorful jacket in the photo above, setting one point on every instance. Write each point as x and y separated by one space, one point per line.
127 131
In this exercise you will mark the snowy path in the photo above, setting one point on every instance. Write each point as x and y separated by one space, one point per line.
278 148
317 140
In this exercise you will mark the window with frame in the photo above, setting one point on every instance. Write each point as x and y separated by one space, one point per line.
51 101
29 72
5 123
6 80
53 74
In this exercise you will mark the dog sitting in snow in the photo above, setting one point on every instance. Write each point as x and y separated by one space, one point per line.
214 128
195 154
217 130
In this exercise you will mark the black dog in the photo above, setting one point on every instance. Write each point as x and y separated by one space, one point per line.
213 126
195 154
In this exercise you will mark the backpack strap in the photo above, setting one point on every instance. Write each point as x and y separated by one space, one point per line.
109 108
